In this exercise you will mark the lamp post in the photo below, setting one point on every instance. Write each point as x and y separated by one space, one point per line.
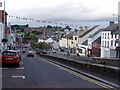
119 21
67 50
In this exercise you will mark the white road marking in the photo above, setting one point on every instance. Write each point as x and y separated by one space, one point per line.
61 67
20 68
3 68
23 77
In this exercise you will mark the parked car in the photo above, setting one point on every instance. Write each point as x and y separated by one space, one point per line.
23 51
41 51
10 57
30 53
53 51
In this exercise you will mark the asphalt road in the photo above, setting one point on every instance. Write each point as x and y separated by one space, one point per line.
36 72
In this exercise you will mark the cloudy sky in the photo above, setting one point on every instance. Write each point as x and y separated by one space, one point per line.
76 12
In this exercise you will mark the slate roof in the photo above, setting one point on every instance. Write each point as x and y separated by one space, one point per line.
88 31
85 43
113 28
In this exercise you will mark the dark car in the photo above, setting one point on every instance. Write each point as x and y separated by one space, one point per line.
10 57
23 51
42 51
30 53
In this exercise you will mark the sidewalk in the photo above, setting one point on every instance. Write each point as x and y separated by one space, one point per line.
89 60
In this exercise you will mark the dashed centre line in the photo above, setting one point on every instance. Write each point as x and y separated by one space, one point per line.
23 77
20 68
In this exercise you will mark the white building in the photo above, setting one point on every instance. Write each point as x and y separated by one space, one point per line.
41 40
108 41
85 43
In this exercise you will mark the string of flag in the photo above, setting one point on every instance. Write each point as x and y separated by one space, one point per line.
42 21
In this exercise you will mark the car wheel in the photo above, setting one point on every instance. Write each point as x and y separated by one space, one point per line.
17 65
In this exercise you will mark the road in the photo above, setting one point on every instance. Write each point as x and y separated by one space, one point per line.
37 72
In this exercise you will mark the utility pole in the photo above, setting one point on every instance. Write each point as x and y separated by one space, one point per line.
119 30
44 33
67 49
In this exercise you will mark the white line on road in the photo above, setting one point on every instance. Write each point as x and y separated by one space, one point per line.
62 68
23 77
20 68
3 68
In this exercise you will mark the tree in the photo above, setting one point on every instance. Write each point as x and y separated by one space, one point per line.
43 45
49 26
67 27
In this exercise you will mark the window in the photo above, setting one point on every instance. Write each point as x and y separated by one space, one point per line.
108 35
112 36
105 35
105 43
9 54
75 38
115 43
80 51
111 43
102 43
115 36
108 44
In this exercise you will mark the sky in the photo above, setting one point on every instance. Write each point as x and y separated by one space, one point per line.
76 12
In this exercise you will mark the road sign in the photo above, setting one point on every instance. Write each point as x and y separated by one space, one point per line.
7 30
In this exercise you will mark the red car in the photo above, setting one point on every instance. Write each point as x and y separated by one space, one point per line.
10 57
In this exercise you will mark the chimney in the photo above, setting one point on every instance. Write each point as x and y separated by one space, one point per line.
111 23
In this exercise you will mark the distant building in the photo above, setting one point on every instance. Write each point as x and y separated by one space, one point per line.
96 50
2 16
94 43
41 39
44 32
109 41
86 39
69 42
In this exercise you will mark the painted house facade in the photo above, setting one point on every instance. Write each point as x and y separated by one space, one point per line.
109 41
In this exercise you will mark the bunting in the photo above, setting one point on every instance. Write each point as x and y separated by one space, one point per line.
42 21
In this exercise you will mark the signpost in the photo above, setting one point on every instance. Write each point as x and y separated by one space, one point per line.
7 30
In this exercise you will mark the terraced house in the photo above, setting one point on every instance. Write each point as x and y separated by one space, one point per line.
109 41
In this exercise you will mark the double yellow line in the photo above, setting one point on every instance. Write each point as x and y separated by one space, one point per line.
84 77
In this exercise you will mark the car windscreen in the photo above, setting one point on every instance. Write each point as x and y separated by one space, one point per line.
9 54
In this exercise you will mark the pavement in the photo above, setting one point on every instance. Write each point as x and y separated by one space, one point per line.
82 59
